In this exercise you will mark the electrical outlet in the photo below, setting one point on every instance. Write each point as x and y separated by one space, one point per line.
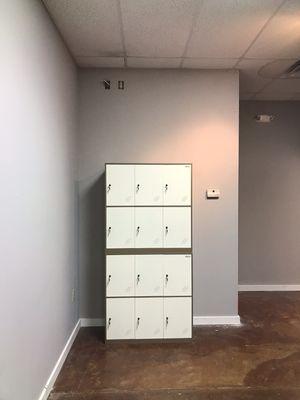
73 295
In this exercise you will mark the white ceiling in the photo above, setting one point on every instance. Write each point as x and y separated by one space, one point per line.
261 38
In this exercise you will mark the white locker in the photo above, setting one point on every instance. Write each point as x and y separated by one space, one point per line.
148 185
177 317
148 227
120 318
119 227
120 275
149 275
177 227
177 275
177 185
119 185
149 318
148 296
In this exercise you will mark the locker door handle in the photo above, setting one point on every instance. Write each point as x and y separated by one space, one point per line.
167 230
109 322
138 278
167 278
167 321
137 230
108 187
166 187
138 322
137 187
109 279
109 230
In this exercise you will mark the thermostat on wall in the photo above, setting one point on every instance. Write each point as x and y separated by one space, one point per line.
212 193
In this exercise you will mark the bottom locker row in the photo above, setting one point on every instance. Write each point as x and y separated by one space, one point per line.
148 318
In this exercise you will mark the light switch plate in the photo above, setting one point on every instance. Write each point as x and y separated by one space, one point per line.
212 193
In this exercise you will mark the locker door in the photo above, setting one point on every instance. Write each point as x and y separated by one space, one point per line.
177 317
120 185
120 318
148 185
177 185
149 318
148 227
120 275
177 275
119 227
149 275
177 227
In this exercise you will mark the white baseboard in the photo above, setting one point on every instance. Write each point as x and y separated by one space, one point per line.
197 320
85 322
216 320
52 378
269 288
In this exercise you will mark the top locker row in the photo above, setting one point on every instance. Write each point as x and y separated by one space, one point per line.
148 184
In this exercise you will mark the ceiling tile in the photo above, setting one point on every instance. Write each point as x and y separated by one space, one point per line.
89 27
250 80
155 28
274 68
226 28
142 62
101 62
281 38
209 63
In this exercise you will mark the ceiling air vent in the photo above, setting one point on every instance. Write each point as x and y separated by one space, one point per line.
293 71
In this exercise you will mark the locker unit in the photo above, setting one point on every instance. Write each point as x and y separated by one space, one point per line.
148 184
148 227
148 275
148 318
148 251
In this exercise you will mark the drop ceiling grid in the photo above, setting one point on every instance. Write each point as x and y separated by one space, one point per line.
182 34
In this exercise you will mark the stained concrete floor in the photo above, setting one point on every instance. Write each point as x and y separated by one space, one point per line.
258 360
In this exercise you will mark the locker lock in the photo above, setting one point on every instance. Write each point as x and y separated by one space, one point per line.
138 278
109 322
109 279
167 229
137 187
166 187
167 278
137 230
167 320
138 321
109 229
108 187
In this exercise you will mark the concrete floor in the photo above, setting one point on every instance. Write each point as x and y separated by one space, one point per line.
259 360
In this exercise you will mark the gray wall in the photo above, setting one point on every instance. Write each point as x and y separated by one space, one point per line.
38 103
164 116
269 197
